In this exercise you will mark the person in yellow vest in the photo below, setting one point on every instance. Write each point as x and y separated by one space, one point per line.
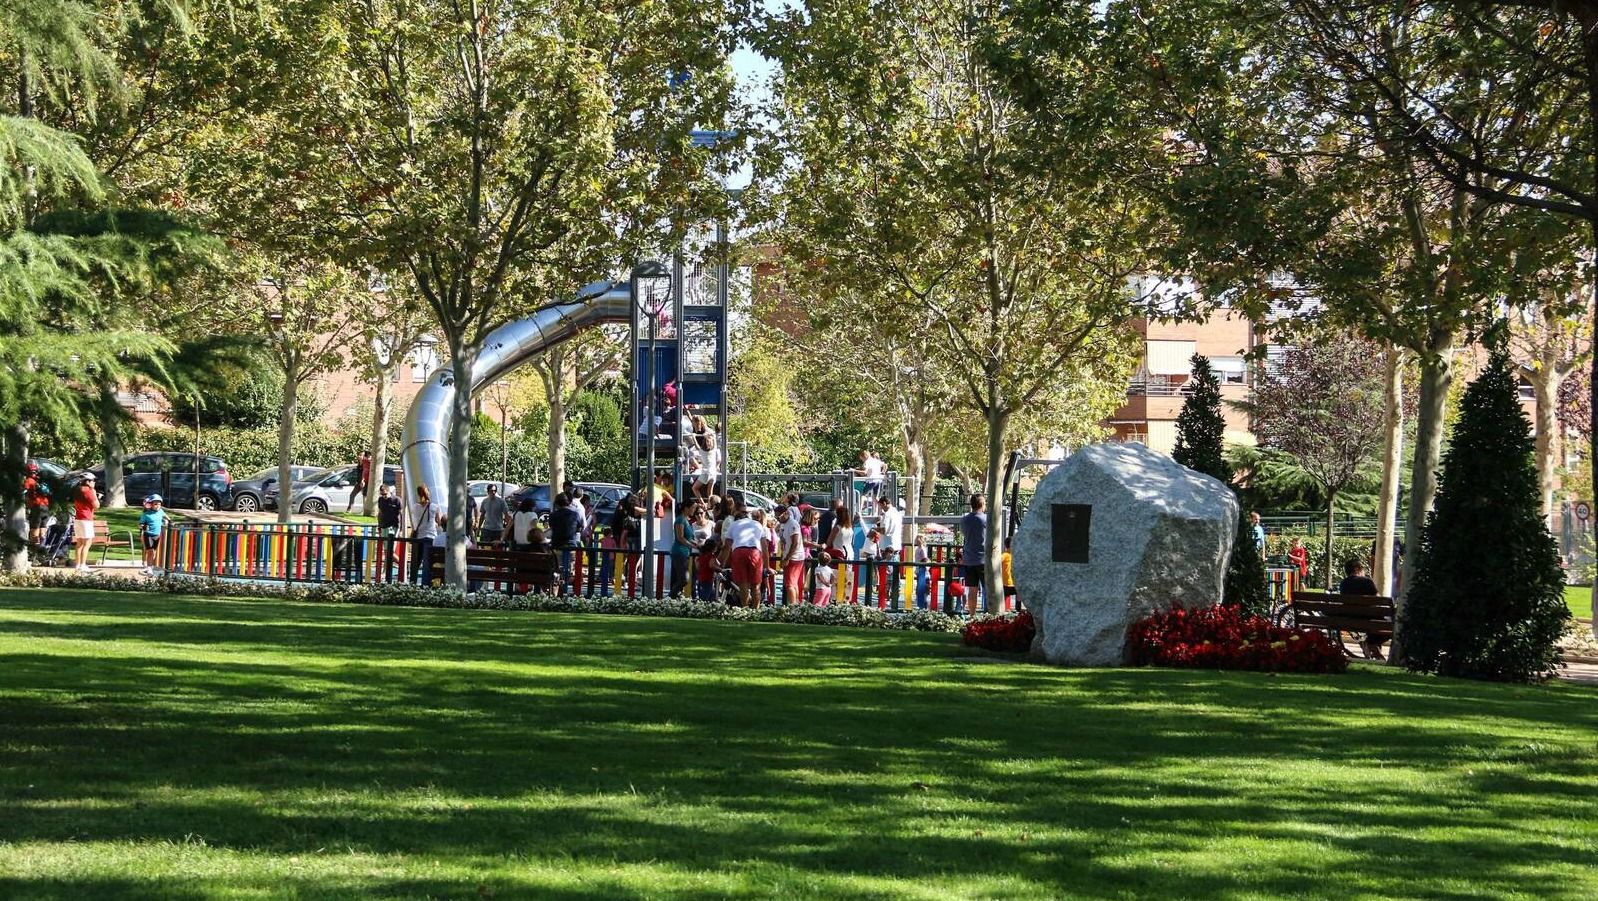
1009 580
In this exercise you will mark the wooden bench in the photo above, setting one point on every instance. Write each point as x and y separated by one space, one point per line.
1370 616
105 540
511 569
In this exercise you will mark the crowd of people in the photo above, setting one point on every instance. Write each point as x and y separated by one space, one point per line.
711 546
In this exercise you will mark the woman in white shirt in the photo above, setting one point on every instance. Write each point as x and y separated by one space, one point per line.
425 531
521 525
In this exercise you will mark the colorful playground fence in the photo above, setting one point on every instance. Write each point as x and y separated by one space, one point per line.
319 554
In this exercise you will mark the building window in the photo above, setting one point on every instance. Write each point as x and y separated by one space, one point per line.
1527 392
1230 370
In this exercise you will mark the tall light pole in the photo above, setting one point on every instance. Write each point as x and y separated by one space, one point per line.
651 294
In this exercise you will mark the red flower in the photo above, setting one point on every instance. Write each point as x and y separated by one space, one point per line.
1227 638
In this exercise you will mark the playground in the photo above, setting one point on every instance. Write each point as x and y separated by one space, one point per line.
163 746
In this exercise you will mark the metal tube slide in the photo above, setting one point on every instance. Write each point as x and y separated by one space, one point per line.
425 440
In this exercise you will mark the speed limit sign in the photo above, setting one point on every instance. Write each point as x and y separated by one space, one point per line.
1583 511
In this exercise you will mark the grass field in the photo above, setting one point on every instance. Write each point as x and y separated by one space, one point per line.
1579 599
157 747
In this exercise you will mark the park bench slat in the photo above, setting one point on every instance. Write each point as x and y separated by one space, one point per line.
1336 613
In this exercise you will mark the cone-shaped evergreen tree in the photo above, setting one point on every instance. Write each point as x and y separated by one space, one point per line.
1487 601
1200 430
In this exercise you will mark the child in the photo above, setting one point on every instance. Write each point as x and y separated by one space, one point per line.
824 577
152 522
705 569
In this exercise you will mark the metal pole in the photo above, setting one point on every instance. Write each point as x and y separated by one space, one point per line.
649 483
195 501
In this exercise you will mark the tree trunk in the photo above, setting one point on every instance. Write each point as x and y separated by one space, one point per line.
460 441
15 442
1392 462
111 449
1436 373
557 439
929 482
992 577
1545 379
1331 532
1590 54
382 411
285 444
915 463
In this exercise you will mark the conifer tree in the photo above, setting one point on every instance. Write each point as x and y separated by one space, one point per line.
61 246
1200 430
1487 601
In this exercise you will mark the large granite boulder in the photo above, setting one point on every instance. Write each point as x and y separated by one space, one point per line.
1115 533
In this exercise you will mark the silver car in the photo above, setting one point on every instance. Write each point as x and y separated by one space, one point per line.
259 491
330 490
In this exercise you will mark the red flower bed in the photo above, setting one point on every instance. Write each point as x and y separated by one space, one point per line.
1228 638
1012 634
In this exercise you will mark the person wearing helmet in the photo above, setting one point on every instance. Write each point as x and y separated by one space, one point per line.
84 503
152 523
36 502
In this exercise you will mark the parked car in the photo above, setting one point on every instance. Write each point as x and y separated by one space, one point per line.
50 469
478 488
249 495
607 497
754 500
330 489
170 475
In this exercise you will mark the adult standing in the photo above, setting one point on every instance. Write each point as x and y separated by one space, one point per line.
973 551
84 502
565 534
683 544
36 503
425 530
890 526
791 553
363 477
389 509
744 560
494 512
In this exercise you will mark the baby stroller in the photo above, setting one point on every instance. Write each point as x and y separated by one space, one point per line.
57 547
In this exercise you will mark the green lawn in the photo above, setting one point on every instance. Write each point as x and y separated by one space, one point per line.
157 747
1579 599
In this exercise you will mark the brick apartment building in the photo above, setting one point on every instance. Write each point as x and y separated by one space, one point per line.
1154 394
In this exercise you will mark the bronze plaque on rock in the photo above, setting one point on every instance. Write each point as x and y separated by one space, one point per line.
1070 531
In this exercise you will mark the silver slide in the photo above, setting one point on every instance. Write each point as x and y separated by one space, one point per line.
425 440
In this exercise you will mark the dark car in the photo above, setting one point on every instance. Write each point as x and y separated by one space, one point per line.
170 475
250 495
607 497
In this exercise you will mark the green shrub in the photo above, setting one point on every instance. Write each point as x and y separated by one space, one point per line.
1487 600
1343 550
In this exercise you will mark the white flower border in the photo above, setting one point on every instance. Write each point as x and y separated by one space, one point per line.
404 595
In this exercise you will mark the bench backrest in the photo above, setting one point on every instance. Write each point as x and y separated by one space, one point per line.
1353 612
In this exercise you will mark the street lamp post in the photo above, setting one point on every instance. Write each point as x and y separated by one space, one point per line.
651 293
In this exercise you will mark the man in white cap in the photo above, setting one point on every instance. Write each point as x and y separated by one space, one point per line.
84 503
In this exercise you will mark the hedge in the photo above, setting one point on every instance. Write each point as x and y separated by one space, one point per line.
1343 550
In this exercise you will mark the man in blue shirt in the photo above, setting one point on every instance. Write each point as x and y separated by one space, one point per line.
1259 533
974 534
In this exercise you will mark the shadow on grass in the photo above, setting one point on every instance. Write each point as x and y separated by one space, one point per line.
790 754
